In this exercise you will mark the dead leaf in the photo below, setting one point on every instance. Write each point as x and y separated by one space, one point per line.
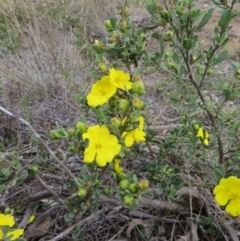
41 229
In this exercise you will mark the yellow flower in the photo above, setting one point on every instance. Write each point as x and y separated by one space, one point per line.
117 167
101 92
14 234
228 193
8 221
30 220
121 79
203 136
136 135
102 147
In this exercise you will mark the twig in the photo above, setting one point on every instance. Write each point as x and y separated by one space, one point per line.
78 224
44 184
111 239
26 217
38 136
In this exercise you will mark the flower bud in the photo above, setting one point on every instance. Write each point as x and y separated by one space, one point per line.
102 67
162 22
99 44
71 132
133 187
196 127
139 86
89 184
129 200
124 184
8 211
124 104
126 11
143 184
82 192
165 14
116 121
124 24
106 190
34 169
112 40
160 8
169 34
81 126
238 71
108 25
138 104
209 72
121 175
167 54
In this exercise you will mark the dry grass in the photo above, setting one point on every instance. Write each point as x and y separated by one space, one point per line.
46 55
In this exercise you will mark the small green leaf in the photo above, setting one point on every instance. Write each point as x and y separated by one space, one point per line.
225 18
159 37
147 28
113 22
220 58
147 195
173 16
204 20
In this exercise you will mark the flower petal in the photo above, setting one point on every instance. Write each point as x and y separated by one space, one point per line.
128 138
233 207
121 79
15 234
6 220
139 135
222 195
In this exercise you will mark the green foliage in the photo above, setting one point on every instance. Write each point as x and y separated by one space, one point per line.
9 174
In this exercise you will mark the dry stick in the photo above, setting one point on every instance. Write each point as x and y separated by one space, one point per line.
113 238
44 184
78 224
38 136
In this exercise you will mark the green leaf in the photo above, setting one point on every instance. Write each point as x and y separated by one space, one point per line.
159 37
150 27
113 22
99 58
2 188
225 18
150 71
173 16
204 20
147 195
58 134
220 58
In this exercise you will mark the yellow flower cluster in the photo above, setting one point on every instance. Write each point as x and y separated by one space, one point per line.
203 136
8 222
107 86
103 147
136 135
227 193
